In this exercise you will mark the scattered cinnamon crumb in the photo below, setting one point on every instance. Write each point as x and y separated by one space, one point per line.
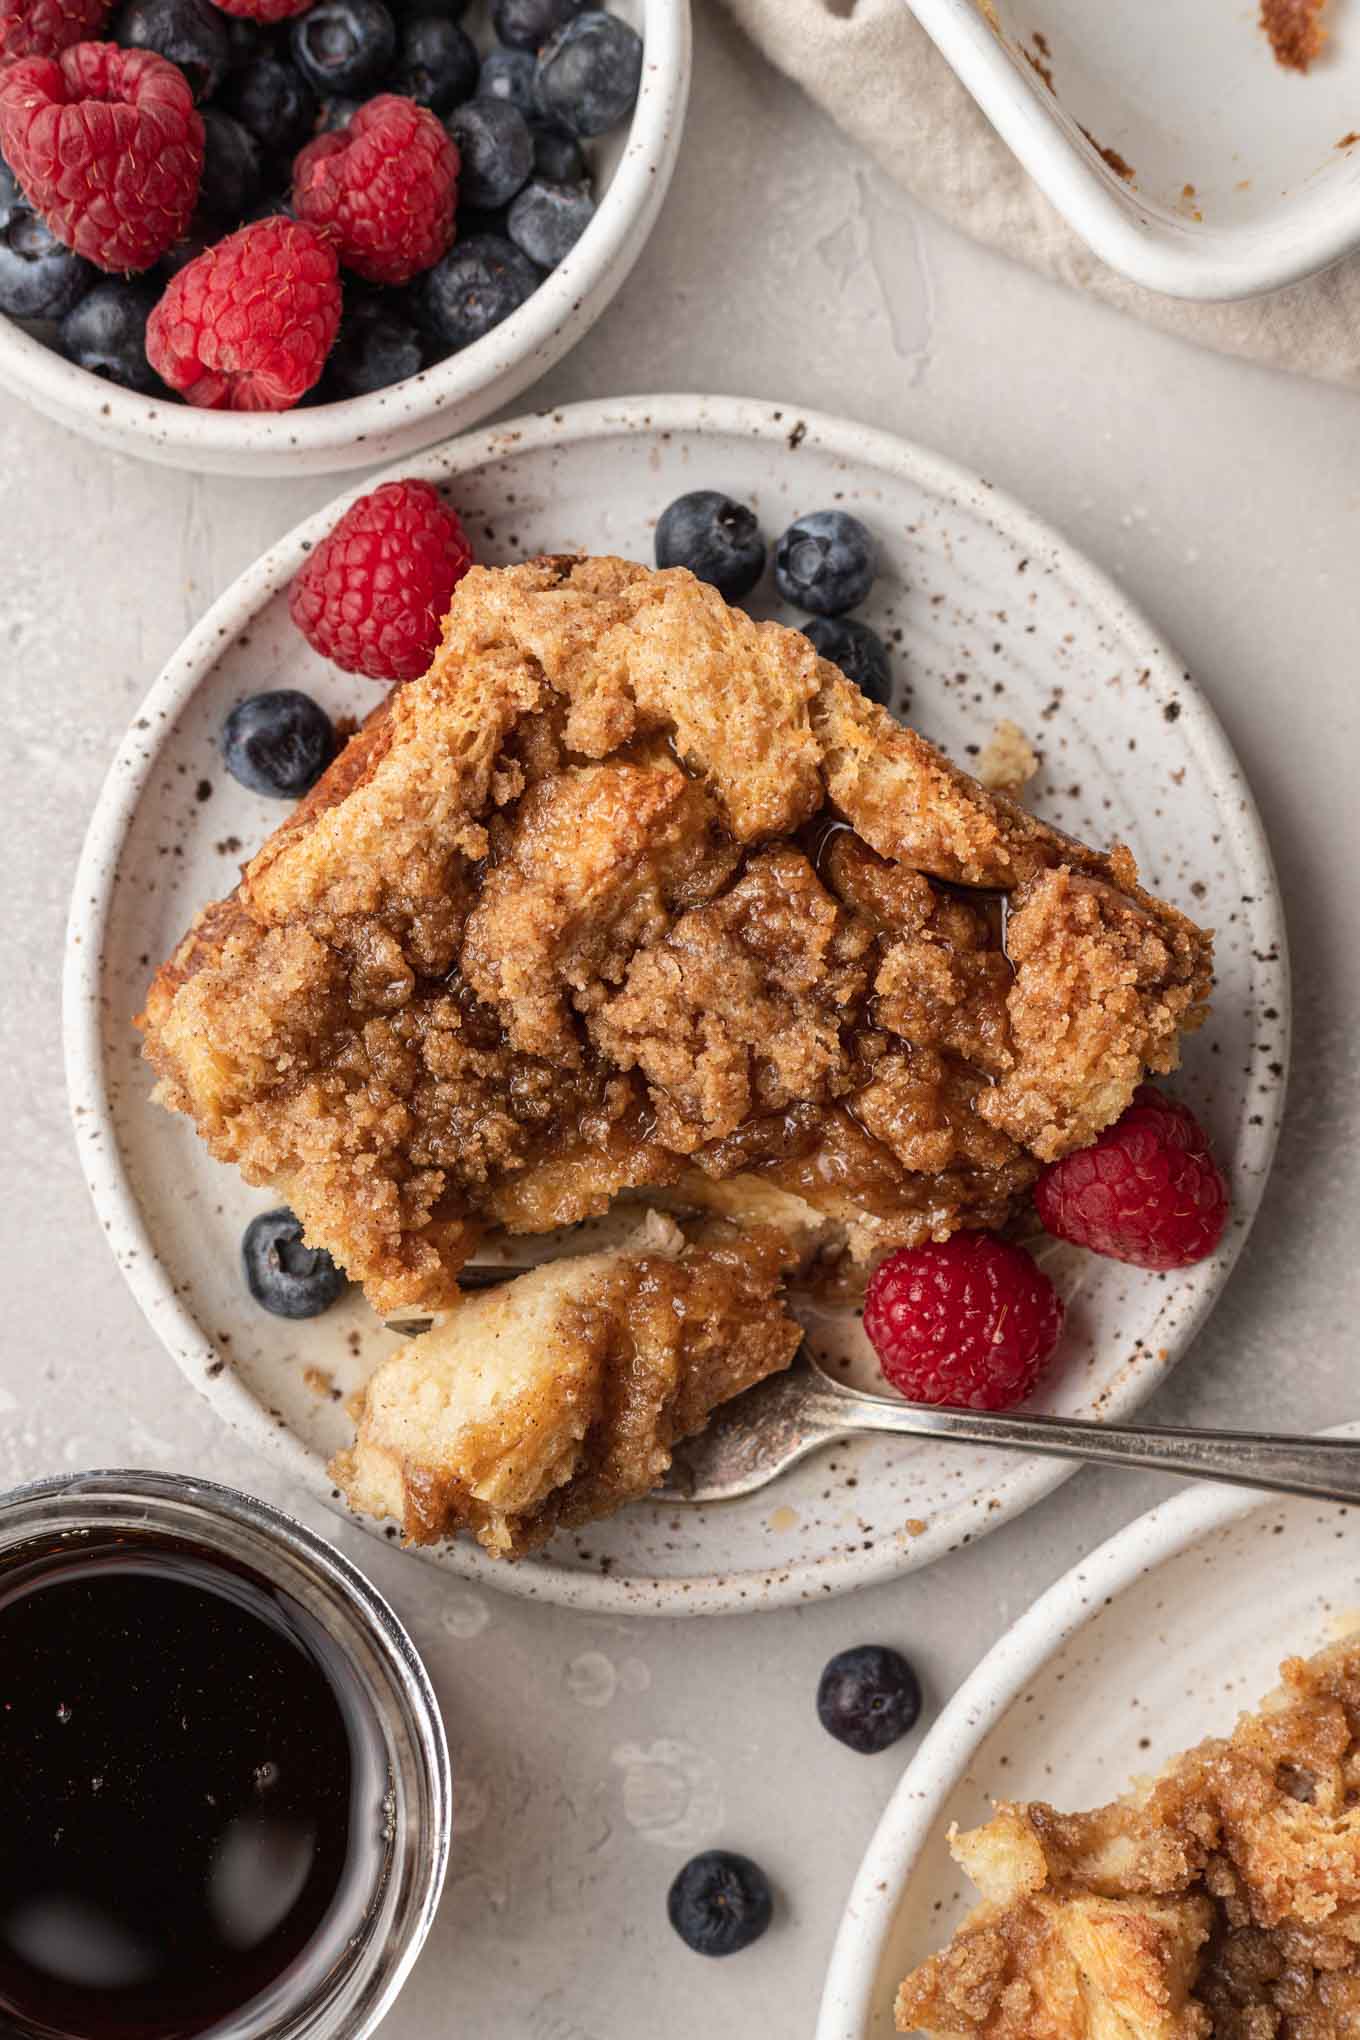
1112 157
1007 762
1295 30
914 1527
1037 59
1242 184
1349 141
320 1382
1187 191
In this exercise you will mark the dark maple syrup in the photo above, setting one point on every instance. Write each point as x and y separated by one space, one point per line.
191 1794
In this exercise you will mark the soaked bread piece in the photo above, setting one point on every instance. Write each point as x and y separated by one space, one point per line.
632 893
558 1397
1219 1902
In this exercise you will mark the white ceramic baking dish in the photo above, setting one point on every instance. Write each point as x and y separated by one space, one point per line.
1242 176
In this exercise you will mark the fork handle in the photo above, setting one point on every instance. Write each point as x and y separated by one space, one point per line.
1325 1468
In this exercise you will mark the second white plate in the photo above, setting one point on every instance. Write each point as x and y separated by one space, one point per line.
1159 1639
988 614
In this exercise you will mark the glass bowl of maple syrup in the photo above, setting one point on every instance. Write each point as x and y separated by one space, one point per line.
224 1783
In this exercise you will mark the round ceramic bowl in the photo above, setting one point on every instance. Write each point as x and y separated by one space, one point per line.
633 168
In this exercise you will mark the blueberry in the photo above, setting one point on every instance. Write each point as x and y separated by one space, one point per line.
246 40
437 62
868 1698
344 45
717 539
336 113
527 24
181 255
509 75
720 1902
106 332
288 1278
558 156
825 562
39 278
588 75
474 224
378 345
275 205
11 196
451 10
277 744
547 220
477 284
859 652
496 148
191 33
232 170
273 100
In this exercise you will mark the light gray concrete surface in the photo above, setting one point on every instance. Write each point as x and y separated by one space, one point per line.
1227 501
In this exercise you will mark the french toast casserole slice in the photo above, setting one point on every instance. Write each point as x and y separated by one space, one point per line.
1220 1901
633 894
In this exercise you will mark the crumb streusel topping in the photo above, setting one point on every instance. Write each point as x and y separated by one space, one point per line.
1220 1902
632 892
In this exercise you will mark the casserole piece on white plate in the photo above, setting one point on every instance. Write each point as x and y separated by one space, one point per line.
1172 138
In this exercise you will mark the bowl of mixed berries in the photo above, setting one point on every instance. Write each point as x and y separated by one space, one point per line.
268 236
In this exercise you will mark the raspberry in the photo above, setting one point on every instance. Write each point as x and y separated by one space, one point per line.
108 146
1147 1191
968 1321
247 325
384 189
374 593
266 11
43 28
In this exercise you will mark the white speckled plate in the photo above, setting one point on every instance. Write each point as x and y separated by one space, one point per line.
1160 1638
989 614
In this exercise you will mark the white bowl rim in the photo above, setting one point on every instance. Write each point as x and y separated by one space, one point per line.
1217 263
599 262
1027 1480
1012 1663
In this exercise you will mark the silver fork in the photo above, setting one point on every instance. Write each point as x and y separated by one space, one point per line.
755 1438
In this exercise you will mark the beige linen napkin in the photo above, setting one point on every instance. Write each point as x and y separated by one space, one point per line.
873 68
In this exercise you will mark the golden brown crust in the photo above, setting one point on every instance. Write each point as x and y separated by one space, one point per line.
629 892
1220 1903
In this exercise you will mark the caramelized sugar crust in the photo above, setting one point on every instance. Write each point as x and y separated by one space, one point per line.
1222 1902
630 892
558 1397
